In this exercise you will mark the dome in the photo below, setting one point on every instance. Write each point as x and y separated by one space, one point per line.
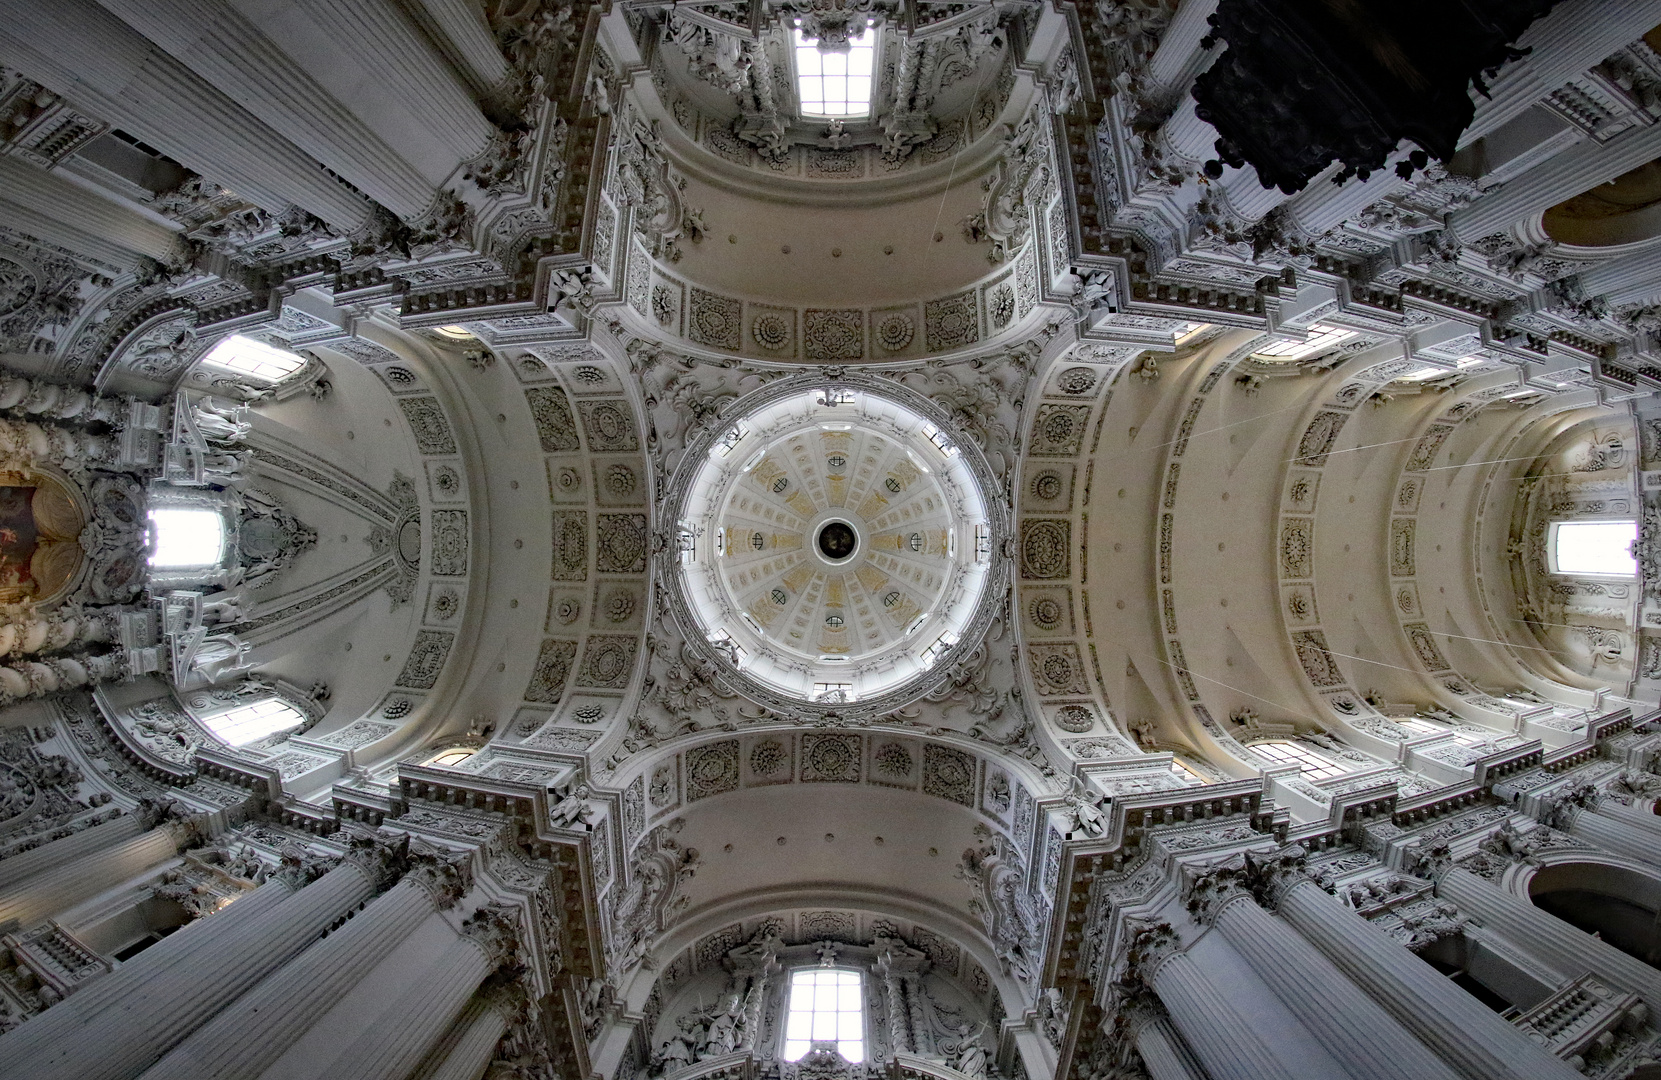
835 542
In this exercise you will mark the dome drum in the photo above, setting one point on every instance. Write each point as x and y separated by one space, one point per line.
837 544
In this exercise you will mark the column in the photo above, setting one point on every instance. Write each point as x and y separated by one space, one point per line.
468 1048
1575 170
404 1035
1459 1028
462 26
1612 834
1562 946
1175 60
84 213
65 1020
1566 41
74 846
227 50
82 52
1163 1053
63 886
395 55
253 1031
1639 814
119 1042
1225 1040
1359 1033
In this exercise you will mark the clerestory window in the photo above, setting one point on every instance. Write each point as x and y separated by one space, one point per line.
836 84
260 362
248 723
1597 548
826 1005
1286 752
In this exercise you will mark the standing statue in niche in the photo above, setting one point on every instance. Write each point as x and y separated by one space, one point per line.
219 423
219 656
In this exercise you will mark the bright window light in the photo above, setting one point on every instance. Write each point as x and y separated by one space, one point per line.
246 723
1594 547
256 359
1320 339
186 538
1422 374
1286 752
1187 773
451 758
835 84
826 1005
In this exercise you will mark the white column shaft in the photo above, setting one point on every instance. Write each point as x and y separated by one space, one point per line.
1616 835
391 1048
1164 1054
122 1041
465 31
228 51
467 1051
63 886
1349 1023
1226 1040
75 846
1561 945
1462 1030
83 53
243 1040
1575 170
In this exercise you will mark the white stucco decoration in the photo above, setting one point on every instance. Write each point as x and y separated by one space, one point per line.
834 544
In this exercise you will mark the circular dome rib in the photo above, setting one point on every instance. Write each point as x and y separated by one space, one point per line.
834 542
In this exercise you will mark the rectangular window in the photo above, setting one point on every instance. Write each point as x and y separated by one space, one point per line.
826 1005
1599 548
245 356
1314 766
1320 339
835 84
186 537
246 723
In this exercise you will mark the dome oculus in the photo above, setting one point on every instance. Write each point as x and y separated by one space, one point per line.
875 544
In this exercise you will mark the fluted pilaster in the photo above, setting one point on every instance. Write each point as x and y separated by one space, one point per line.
1462 1030
1615 835
1577 169
1570 38
84 212
407 1032
466 35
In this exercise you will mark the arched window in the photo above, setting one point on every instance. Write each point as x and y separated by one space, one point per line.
1287 752
244 724
451 758
835 84
1595 548
186 537
260 362
826 1005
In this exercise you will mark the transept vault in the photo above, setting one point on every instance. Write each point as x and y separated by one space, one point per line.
817 539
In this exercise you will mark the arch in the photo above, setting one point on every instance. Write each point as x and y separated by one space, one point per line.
1619 903
1625 210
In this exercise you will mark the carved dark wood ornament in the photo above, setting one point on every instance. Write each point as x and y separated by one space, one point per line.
1303 82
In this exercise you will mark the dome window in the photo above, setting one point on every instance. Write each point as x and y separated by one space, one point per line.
449 759
1287 752
186 538
835 84
1594 548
